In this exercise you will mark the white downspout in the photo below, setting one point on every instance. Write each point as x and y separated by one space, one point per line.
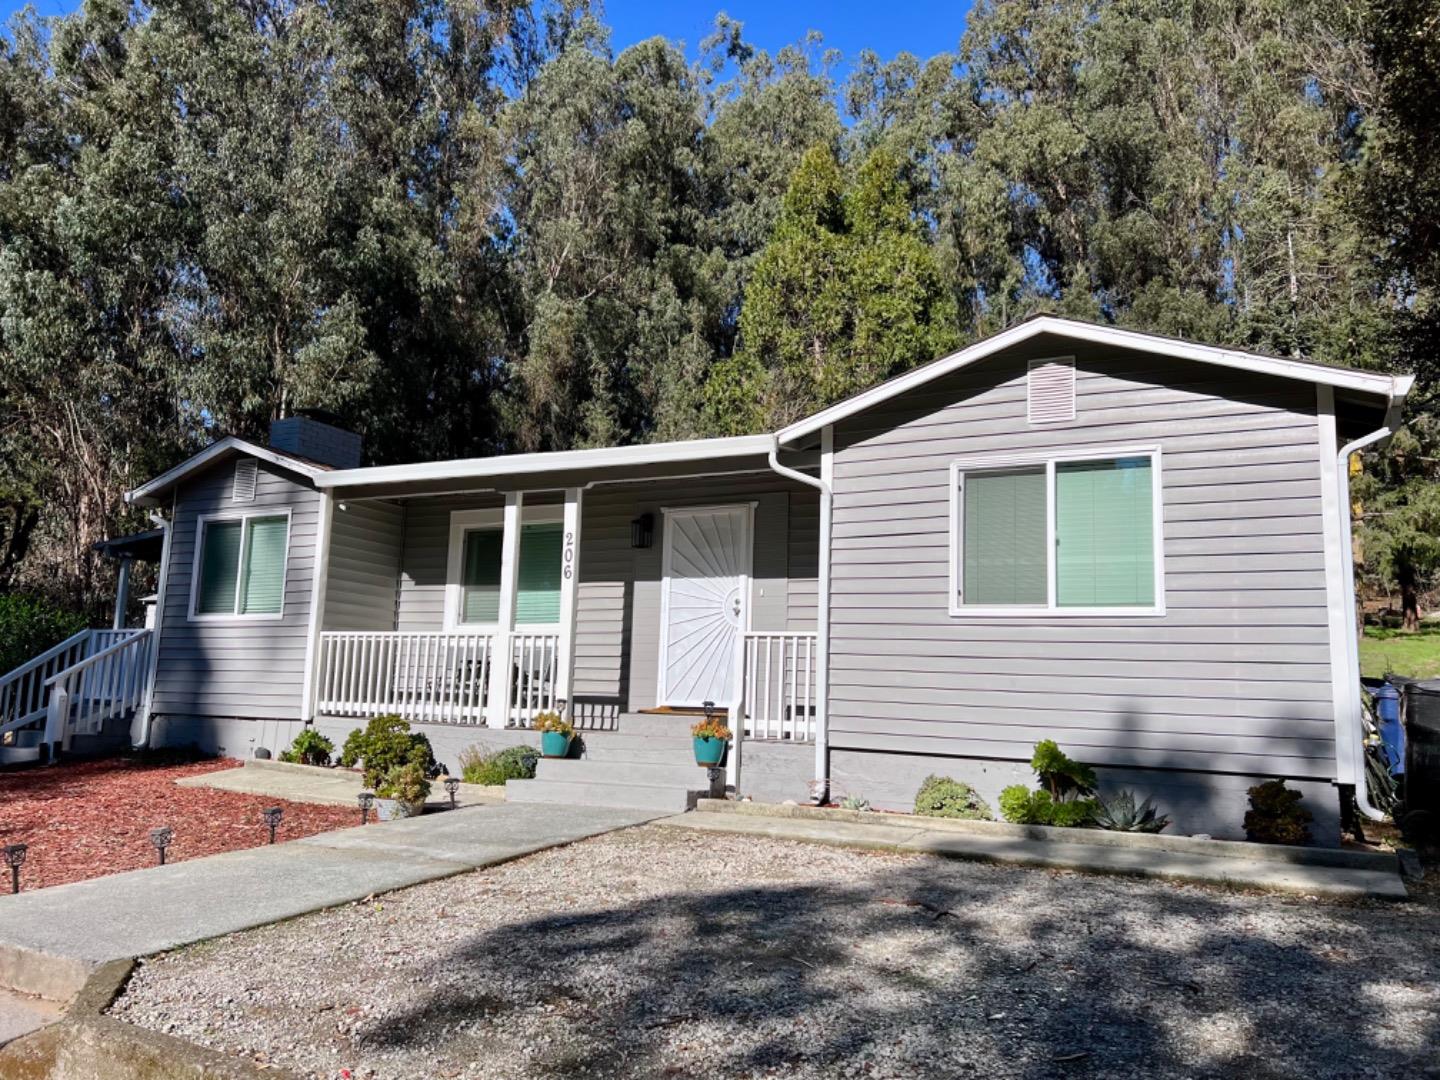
1352 647
822 619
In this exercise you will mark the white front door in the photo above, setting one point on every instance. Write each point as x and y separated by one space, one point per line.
705 601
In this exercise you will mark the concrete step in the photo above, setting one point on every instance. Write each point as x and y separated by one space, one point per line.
19 755
592 793
655 724
657 748
681 774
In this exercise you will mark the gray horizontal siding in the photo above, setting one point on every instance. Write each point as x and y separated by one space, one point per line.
1235 676
364 566
425 558
253 669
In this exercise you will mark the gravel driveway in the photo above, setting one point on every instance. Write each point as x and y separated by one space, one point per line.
662 953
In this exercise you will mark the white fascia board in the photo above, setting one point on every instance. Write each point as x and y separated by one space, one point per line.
696 450
165 480
1389 386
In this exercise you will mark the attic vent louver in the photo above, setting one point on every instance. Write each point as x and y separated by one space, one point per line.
244 481
1051 391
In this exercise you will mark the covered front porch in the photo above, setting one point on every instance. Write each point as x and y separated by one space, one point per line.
615 596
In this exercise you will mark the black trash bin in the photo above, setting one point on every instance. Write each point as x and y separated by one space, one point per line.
1420 712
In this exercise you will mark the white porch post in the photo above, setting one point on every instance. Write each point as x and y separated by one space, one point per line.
822 627
502 661
320 569
569 592
122 593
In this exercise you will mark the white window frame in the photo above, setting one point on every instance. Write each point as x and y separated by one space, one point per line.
463 521
201 522
1048 460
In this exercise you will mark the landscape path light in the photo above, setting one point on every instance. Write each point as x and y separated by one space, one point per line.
15 858
161 838
452 786
366 799
272 819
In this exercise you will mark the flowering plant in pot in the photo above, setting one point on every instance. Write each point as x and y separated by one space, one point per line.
555 734
710 737
402 793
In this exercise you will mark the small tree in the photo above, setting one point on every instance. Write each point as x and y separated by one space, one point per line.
1399 501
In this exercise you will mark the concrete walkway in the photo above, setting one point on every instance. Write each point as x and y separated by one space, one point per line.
51 939
1375 877
329 787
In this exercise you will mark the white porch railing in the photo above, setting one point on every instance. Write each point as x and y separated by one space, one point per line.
777 698
432 678
106 685
437 677
24 699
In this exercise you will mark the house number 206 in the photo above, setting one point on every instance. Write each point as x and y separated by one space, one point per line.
569 556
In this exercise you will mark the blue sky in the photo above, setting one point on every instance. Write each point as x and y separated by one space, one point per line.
924 27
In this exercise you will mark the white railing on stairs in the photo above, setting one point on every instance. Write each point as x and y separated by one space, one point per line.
777 699
106 685
24 699
433 678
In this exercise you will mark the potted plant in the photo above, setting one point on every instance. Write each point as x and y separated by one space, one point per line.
555 734
402 793
711 737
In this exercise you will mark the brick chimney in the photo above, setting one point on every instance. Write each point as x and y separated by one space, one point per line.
310 434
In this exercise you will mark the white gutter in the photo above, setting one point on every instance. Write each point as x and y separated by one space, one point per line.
822 619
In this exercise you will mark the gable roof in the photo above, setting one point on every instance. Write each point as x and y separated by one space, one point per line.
1390 387
147 494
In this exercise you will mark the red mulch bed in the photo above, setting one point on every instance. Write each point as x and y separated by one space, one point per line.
92 818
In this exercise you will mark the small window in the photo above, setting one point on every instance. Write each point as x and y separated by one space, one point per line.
480 576
242 566
1076 534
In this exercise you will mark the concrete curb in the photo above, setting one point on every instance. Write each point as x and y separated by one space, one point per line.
880 832
90 1043
1184 845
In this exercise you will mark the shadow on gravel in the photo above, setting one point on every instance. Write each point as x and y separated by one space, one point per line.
1085 981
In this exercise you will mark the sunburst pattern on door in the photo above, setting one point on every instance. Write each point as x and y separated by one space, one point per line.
707 573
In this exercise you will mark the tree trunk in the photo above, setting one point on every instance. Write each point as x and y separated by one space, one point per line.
1409 602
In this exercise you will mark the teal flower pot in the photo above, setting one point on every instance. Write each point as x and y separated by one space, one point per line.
554 743
709 751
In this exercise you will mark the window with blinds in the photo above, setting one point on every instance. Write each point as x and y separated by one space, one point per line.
537 587
241 568
1061 533
480 576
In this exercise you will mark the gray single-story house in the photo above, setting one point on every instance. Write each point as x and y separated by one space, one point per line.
1135 545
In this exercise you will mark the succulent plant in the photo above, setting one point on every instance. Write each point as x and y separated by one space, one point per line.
1119 813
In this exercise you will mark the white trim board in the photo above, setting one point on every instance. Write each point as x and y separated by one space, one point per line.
1390 387
144 494
461 522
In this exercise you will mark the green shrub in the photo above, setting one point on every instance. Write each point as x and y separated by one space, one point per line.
1120 814
309 748
479 766
1021 806
29 625
854 802
407 782
385 743
939 796
1063 778
1276 816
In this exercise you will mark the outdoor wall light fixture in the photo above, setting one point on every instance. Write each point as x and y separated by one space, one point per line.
272 819
452 785
15 858
642 531
161 838
366 799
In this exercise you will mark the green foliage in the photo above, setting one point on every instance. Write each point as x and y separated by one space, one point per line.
1276 816
846 293
386 743
408 783
854 802
1021 806
1058 774
479 766
940 796
29 625
309 747
1119 813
